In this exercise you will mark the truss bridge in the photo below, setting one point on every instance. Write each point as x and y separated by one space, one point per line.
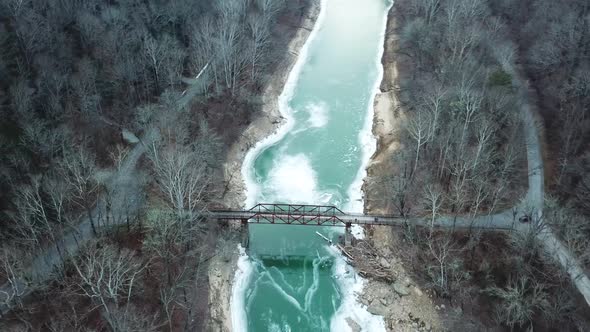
327 215
301 214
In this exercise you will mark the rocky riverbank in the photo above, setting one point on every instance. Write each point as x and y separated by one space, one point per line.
221 270
269 118
401 302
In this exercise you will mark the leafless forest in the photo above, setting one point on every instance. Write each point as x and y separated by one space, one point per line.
114 120
466 71
115 117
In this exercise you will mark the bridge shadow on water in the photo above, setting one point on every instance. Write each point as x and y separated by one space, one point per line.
293 261
281 240
300 287
293 279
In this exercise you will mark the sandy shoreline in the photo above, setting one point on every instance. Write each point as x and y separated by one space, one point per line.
385 128
221 273
386 120
403 305
270 118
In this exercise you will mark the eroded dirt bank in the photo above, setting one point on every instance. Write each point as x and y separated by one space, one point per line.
402 299
270 117
401 302
222 267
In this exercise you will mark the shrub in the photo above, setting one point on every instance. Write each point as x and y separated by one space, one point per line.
500 78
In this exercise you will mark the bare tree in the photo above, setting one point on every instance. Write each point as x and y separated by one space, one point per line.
163 56
446 272
107 277
526 242
260 38
428 9
133 319
78 168
182 176
229 41
32 32
572 120
468 104
33 215
481 193
270 8
47 143
16 6
11 271
177 244
433 200
520 300
85 88
419 126
22 96
399 185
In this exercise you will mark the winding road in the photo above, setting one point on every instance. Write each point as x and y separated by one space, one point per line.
126 192
124 200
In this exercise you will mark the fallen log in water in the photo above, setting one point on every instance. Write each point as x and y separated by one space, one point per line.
323 237
344 252
338 246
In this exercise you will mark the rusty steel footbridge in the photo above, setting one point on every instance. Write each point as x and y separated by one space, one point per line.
301 214
327 215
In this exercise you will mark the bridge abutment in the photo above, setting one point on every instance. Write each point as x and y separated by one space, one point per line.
245 233
348 235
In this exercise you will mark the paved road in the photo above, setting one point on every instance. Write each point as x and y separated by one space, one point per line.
126 189
533 204
123 201
536 191
498 221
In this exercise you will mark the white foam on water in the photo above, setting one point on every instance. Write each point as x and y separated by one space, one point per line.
274 327
350 285
281 291
252 188
282 279
318 114
300 289
241 280
316 283
293 180
251 292
367 140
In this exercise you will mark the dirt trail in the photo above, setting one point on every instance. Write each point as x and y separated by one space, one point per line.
124 201
386 123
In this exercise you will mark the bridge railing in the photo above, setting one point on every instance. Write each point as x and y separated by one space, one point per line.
318 215
299 214
297 208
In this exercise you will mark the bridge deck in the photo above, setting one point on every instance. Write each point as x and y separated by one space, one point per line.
306 218
331 216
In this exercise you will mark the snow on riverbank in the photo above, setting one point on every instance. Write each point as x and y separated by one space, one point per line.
221 284
252 188
367 139
242 277
245 269
349 282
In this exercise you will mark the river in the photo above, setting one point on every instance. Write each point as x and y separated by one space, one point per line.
290 280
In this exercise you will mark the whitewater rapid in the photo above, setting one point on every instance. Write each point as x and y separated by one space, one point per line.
293 180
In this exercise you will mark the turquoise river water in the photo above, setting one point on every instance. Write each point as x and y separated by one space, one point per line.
290 279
